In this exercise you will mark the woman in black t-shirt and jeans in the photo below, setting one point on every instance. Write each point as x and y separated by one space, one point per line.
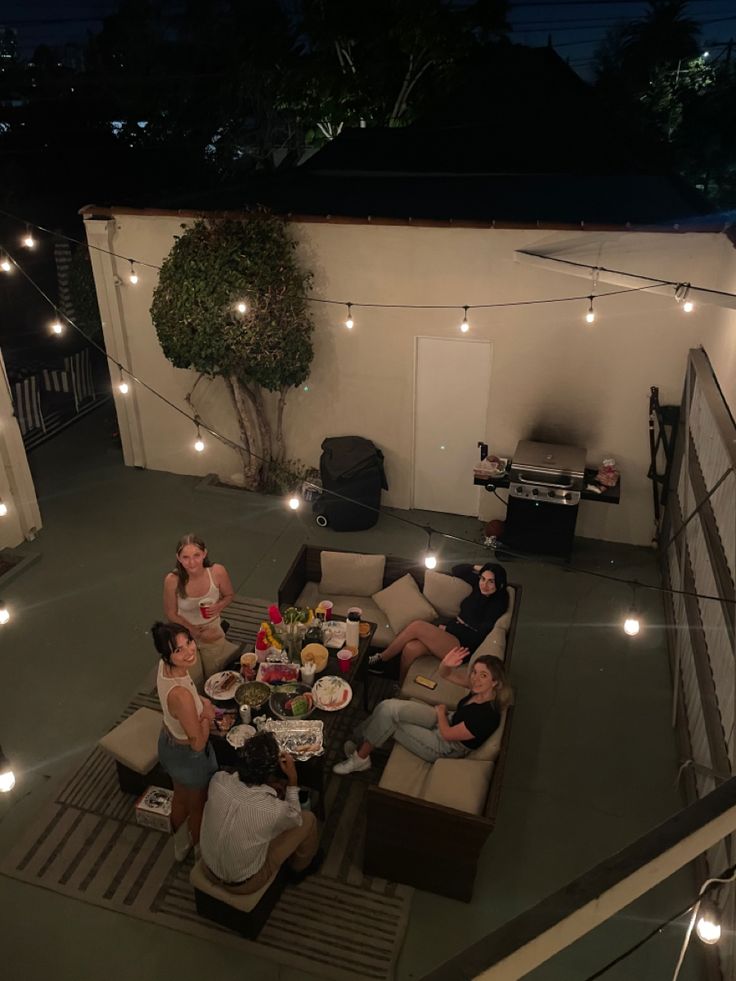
434 732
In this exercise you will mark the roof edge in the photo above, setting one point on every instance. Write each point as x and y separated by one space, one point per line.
109 211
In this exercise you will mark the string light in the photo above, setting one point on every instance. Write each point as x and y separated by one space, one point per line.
294 502
29 241
682 296
4 613
6 265
7 777
199 442
349 322
430 559
3 508
242 307
465 326
590 315
123 386
708 926
631 623
132 275
56 326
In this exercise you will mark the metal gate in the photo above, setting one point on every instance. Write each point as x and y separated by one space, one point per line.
698 555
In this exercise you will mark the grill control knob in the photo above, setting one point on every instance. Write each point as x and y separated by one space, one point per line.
519 490
534 491
552 494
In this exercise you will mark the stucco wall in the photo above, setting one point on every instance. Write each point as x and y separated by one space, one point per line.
16 484
553 376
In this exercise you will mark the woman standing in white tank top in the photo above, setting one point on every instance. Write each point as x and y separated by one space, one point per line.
195 594
183 746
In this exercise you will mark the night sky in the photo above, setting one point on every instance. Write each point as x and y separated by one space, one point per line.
576 26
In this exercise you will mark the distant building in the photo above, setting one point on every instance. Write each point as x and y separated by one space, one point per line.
8 44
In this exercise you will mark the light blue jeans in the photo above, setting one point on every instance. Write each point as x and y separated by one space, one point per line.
413 725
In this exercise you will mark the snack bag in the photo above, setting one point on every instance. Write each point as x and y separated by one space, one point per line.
607 475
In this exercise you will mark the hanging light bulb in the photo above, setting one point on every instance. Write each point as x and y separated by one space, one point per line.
132 275
682 291
590 315
123 386
199 442
349 322
688 306
430 559
3 508
7 777
707 925
29 241
4 613
56 326
5 264
241 307
294 502
465 326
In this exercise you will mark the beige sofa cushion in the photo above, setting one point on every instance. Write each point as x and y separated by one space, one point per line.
312 594
495 642
405 773
462 784
444 592
402 602
346 573
444 694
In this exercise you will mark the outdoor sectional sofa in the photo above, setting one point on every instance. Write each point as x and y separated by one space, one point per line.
427 822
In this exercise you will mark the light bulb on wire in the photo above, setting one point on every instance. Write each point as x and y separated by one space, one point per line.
590 315
56 326
7 777
29 241
123 386
241 307
199 442
3 508
132 275
4 613
465 326
5 264
430 559
349 322
707 925
294 502
682 296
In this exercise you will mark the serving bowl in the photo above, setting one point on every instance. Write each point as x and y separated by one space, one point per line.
295 693
253 693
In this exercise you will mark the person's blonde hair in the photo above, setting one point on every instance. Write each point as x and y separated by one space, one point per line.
503 694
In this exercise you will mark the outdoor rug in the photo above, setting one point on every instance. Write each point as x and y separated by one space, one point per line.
87 845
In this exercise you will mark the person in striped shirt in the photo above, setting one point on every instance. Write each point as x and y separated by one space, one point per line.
252 825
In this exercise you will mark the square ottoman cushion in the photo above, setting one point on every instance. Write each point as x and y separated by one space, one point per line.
135 741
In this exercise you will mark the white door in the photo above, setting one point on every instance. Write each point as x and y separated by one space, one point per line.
450 410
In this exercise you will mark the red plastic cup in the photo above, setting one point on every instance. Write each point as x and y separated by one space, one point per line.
344 657
203 607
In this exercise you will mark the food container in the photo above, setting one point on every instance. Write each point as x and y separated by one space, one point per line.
302 738
317 654
153 809
253 693
291 701
278 674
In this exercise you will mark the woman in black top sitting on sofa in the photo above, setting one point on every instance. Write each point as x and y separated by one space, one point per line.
479 611
431 732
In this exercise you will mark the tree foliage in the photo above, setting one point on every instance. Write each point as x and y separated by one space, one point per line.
214 266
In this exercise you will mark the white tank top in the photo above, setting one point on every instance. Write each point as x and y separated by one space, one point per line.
164 686
188 606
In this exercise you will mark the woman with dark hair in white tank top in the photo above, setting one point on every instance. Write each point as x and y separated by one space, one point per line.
195 594
184 750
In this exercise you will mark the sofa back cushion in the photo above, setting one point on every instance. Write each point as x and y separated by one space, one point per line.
495 641
402 602
445 593
346 573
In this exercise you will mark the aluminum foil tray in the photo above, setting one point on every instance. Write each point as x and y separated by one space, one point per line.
303 738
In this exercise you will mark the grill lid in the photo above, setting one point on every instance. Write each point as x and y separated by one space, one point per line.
548 458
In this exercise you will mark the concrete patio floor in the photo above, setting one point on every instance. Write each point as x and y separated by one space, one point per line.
592 760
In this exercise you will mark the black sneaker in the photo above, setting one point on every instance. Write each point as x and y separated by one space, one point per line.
294 878
376 665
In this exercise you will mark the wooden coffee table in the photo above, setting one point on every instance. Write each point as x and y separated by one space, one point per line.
312 773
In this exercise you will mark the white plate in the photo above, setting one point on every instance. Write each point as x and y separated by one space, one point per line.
334 634
328 693
239 735
223 685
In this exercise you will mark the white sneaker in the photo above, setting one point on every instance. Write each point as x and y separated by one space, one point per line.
353 764
349 747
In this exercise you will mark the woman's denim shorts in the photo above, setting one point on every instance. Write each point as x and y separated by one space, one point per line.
184 765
